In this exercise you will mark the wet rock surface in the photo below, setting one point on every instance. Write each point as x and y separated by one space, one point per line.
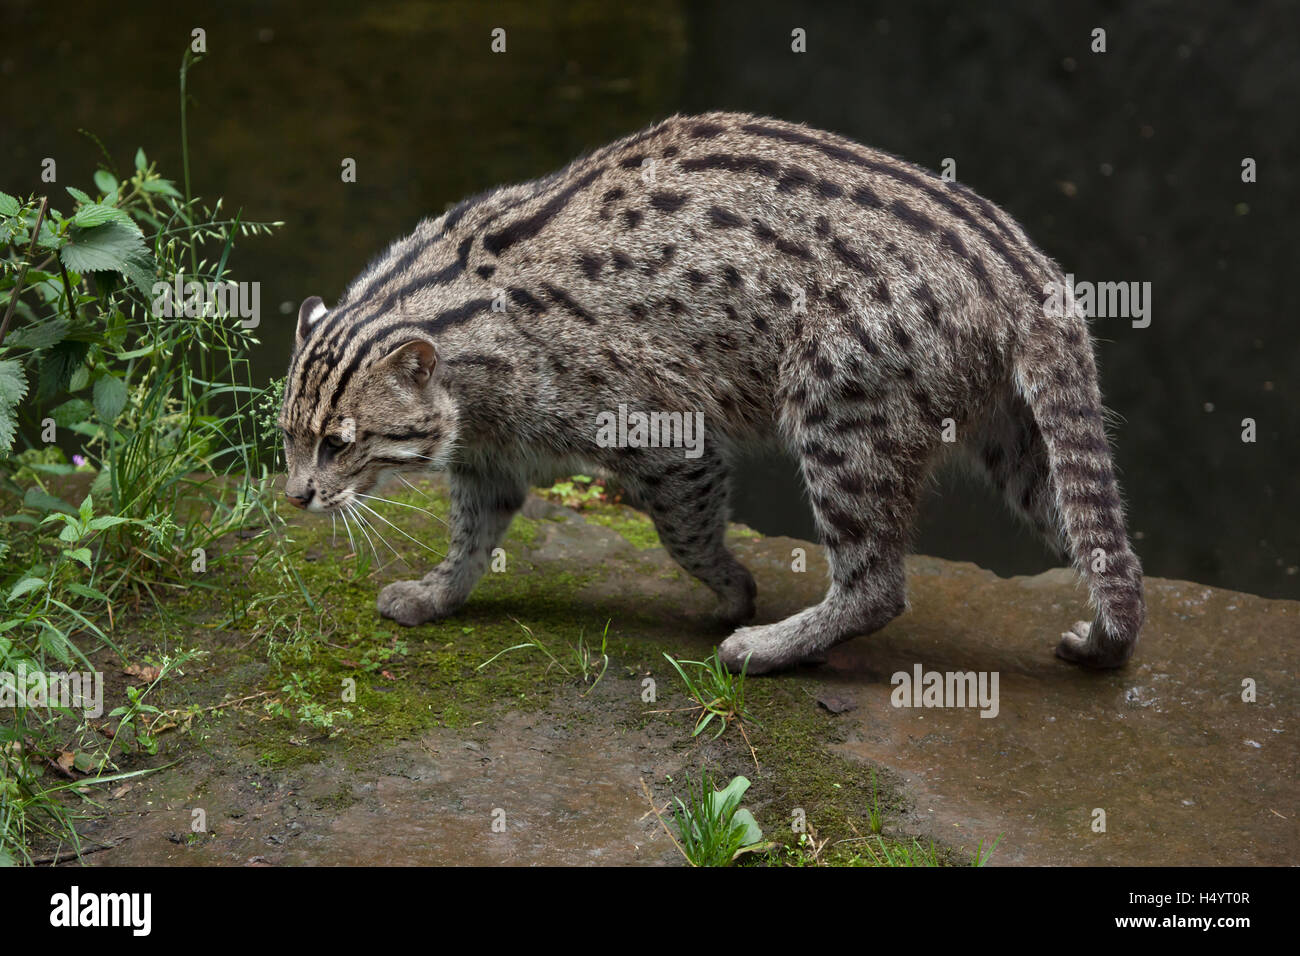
1181 769
519 794
1185 770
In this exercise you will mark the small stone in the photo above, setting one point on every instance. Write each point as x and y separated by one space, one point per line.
836 705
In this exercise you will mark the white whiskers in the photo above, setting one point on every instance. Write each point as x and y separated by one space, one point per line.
372 511
365 531
352 546
402 478
401 504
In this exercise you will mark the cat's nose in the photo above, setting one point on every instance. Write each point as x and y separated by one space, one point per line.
300 501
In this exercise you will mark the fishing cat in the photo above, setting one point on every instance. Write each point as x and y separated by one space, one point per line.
784 282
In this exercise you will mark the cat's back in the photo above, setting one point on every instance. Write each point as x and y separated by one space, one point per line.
750 209
720 224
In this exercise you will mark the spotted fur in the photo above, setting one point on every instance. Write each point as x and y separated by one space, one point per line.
787 283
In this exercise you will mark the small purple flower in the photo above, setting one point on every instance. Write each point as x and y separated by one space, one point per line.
79 461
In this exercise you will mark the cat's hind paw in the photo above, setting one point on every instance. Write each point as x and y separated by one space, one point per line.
1087 644
767 648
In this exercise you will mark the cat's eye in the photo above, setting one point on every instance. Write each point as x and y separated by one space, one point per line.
330 446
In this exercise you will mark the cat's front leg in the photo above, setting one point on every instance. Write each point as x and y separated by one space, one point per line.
482 507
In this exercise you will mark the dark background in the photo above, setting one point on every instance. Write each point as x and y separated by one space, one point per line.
1124 166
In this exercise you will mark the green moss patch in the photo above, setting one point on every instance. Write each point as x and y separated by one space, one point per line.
344 685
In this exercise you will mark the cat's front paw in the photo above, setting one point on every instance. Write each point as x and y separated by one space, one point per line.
414 602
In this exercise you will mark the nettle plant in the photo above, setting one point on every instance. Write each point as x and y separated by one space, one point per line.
94 354
127 436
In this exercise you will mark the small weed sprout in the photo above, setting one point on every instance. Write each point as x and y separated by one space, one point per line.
589 659
875 819
719 696
713 829
902 854
917 854
983 855
585 658
577 492
132 715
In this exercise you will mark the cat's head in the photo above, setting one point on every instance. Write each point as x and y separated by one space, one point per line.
360 403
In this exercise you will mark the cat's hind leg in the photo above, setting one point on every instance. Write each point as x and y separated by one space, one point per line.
863 457
867 591
688 501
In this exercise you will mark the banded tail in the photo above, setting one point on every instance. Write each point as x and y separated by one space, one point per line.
1056 376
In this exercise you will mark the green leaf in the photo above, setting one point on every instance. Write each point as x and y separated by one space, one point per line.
115 327
13 386
724 805
96 214
80 554
13 382
79 378
87 592
78 195
72 412
107 521
105 182
25 586
57 365
106 247
230 244
42 501
49 239
56 643
723 801
34 277
9 206
51 469
110 398
141 164
143 273
162 186
138 353
744 820
103 483
41 335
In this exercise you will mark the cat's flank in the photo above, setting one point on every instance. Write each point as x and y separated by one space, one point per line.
782 282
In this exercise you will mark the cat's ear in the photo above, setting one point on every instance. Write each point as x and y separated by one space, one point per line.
414 360
309 313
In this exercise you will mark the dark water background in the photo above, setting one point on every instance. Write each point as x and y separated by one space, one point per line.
1124 166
